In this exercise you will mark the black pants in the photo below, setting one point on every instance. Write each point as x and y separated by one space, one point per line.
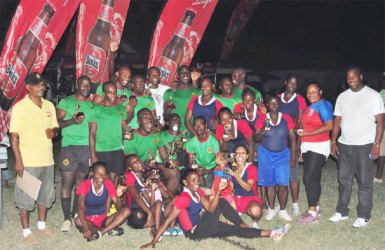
313 163
209 225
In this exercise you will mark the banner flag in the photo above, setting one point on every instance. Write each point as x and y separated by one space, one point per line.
177 35
238 21
35 30
100 22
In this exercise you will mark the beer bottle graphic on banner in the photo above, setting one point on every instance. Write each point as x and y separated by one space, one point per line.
98 45
23 58
173 52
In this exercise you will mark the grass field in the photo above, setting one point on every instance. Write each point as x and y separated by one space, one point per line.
324 235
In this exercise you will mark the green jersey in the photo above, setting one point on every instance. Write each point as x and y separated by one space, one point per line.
238 92
75 134
109 132
144 101
228 102
168 138
119 93
181 99
141 144
204 150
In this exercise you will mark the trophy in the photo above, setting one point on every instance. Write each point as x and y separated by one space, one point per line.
78 112
242 115
184 139
151 159
122 180
171 106
227 128
194 162
154 176
172 147
267 124
300 127
128 132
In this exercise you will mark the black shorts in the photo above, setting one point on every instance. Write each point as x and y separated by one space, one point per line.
75 159
114 160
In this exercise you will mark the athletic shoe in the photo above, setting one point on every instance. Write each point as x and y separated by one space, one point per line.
178 231
170 232
47 232
278 232
254 224
337 217
95 235
66 226
295 210
31 240
307 218
360 222
284 215
271 213
377 180
116 231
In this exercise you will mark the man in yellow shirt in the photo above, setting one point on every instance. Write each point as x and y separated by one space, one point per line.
32 127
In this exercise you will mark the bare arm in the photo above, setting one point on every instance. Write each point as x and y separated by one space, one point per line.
335 132
246 185
138 199
82 217
187 122
92 140
60 114
250 142
97 99
292 149
375 151
15 145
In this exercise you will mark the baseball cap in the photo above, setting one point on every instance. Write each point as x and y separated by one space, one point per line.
33 78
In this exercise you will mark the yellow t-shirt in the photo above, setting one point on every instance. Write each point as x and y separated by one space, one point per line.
31 122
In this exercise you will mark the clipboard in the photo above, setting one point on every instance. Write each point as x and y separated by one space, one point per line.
29 184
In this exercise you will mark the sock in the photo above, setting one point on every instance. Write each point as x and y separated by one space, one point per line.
295 205
41 225
75 205
26 232
317 208
66 207
313 213
100 234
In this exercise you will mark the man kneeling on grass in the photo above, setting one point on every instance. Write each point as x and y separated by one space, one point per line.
92 218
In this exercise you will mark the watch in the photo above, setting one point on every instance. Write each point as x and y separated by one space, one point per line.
376 144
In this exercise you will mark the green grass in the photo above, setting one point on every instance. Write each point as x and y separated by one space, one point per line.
324 235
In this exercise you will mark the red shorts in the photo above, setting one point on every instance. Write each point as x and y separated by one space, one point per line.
98 220
242 202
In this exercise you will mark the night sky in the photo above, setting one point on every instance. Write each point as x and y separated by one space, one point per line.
279 35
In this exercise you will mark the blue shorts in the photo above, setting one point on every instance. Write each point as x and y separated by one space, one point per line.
273 167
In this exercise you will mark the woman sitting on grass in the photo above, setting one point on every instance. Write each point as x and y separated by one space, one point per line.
93 194
187 207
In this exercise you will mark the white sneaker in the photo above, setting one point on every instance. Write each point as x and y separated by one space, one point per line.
284 215
360 222
377 180
66 226
337 217
295 211
271 213
254 224
278 232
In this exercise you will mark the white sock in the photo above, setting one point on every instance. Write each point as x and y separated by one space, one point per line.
313 213
26 232
41 225
295 205
317 208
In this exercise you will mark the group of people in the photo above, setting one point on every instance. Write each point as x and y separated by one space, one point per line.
157 156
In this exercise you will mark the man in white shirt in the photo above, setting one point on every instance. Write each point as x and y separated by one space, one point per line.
157 90
358 115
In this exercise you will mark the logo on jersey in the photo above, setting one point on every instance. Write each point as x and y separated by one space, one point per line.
66 162
311 112
148 104
156 140
210 150
121 113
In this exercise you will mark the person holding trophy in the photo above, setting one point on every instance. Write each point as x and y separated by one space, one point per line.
74 159
145 143
231 133
95 196
274 156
